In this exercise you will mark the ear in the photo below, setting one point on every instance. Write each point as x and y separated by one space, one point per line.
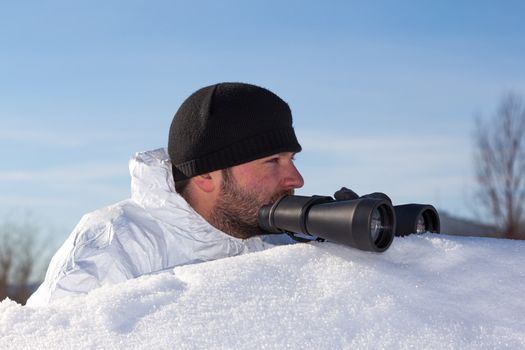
206 182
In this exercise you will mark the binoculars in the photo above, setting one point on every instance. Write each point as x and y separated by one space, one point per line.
368 223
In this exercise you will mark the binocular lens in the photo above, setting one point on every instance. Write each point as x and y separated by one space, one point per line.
421 225
381 226
376 224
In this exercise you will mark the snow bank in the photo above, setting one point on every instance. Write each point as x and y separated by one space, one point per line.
430 291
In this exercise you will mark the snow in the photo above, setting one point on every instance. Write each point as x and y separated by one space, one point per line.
430 291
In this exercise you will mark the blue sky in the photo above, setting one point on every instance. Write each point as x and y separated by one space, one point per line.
383 93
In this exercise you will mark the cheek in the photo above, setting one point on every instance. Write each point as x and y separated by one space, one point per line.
261 180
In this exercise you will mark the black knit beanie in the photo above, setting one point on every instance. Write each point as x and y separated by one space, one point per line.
227 124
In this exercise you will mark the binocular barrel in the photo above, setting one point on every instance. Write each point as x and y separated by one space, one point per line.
366 223
416 218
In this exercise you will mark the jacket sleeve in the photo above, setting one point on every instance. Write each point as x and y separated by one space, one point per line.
85 261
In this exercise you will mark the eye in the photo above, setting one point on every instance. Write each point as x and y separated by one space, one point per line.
273 160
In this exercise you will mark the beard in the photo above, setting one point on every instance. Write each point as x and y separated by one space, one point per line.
236 210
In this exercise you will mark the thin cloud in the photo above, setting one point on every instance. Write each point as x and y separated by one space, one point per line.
77 173
390 151
73 138
40 137
436 169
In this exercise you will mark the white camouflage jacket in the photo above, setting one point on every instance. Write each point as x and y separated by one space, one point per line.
154 230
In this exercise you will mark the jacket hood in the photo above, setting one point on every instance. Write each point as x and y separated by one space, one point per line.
153 188
151 179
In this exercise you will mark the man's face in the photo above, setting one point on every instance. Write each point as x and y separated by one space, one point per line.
247 187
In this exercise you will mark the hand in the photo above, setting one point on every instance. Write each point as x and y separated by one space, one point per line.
377 195
345 194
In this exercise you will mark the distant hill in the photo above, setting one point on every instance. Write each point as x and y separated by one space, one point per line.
465 227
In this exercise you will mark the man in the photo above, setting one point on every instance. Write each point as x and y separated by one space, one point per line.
230 151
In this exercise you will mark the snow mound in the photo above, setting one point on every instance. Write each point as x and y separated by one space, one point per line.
429 291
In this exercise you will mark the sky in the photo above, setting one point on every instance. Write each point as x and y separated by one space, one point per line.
383 94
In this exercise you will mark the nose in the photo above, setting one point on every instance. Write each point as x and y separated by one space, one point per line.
293 178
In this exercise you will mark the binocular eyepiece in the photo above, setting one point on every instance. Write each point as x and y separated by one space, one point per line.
367 223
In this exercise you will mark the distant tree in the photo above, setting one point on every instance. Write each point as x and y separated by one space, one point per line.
500 166
22 260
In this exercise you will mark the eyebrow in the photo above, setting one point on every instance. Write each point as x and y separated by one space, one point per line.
294 154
